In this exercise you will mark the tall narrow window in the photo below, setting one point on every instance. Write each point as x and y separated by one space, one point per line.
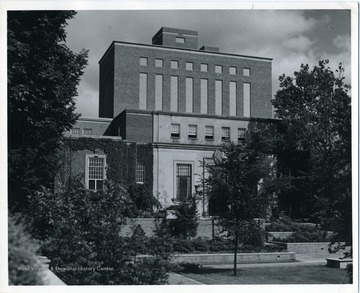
192 132
247 99
225 136
174 89
142 91
95 172
183 181
209 132
203 96
140 173
158 91
175 130
232 98
189 95
218 97
241 134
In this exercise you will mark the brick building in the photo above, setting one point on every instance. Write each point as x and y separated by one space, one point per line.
183 101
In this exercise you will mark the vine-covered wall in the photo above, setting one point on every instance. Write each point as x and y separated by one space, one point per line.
121 159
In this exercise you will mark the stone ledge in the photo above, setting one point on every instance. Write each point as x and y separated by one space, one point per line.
228 258
338 263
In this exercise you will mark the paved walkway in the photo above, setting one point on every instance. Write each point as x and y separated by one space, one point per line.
301 260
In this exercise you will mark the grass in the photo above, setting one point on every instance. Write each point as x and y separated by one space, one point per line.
271 275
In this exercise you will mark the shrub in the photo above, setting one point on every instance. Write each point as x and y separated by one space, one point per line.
84 227
137 242
183 245
185 223
143 199
306 234
282 224
220 244
251 234
200 245
21 254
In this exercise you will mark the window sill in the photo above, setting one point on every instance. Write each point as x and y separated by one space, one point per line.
140 182
209 139
192 138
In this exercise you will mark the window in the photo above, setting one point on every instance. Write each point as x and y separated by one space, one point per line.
158 91
203 96
247 98
232 98
189 82
192 133
143 61
174 89
87 131
183 181
140 173
209 132
75 131
189 66
175 130
241 134
204 67
180 40
174 64
95 173
232 70
218 69
246 72
218 97
142 91
159 63
225 136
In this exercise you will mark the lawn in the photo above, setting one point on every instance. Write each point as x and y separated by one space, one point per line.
271 275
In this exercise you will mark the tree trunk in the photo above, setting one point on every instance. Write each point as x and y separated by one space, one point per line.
236 245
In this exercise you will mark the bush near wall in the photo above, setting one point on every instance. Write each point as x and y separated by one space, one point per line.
83 240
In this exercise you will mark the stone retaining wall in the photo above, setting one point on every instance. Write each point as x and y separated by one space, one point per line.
205 228
308 247
228 258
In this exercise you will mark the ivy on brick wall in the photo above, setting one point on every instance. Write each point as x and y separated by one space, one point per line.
121 158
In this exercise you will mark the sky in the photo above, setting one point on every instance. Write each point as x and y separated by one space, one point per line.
290 37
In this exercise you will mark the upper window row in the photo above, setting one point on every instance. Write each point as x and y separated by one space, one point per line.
209 132
204 67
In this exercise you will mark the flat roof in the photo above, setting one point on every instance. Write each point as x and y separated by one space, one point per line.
197 51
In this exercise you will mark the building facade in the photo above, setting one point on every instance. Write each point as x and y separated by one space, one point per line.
183 101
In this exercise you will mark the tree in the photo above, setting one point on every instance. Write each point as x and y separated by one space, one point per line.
315 111
185 223
80 229
239 187
42 77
